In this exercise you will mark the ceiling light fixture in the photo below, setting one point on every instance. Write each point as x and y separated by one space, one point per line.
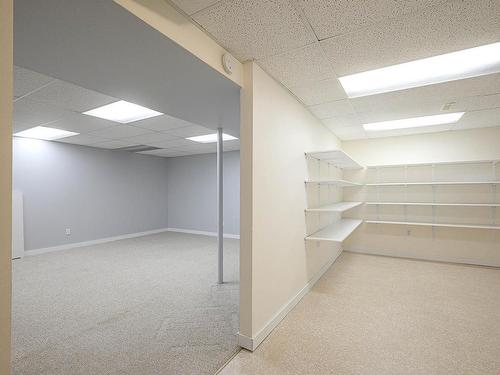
462 64
414 122
47 134
211 138
122 112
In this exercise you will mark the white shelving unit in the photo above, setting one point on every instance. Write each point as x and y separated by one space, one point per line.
433 204
483 173
435 183
336 157
447 225
335 207
336 232
341 183
340 229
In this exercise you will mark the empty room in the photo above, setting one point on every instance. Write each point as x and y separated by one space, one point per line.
245 187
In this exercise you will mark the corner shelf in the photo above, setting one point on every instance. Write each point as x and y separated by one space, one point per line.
447 225
340 183
336 232
335 157
335 207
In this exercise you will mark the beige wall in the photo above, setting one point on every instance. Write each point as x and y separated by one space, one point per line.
167 20
5 181
474 246
276 130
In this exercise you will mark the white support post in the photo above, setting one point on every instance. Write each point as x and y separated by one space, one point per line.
220 206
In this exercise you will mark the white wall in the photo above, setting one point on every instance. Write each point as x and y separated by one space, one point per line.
96 193
276 265
475 246
192 192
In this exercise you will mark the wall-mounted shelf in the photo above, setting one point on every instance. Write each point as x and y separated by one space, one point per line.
433 204
435 183
335 157
336 232
473 226
340 183
465 162
335 207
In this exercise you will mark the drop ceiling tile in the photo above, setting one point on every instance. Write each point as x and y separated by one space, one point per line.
299 66
319 91
254 29
31 113
165 153
342 121
76 122
331 18
162 123
71 97
83 140
452 26
115 144
17 127
410 131
468 94
348 133
190 131
121 131
26 81
193 6
172 144
151 139
232 145
332 109
479 119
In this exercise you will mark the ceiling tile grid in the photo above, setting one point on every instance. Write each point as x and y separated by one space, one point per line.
255 29
45 101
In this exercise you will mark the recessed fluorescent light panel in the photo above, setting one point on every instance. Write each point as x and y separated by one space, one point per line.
415 122
467 63
122 112
42 132
211 138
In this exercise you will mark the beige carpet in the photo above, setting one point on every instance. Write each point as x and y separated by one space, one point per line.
147 305
377 315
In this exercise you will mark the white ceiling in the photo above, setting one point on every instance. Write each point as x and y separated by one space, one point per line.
307 44
42 100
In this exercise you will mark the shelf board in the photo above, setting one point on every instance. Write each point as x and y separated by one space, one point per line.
336 157
474 226
436 183
434 163
335 207
336 232
341 183
433 204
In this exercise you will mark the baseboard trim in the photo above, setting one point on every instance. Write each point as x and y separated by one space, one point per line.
436 259
92 242
203 233
251 343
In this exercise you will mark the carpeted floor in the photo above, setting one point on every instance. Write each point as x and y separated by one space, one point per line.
382 316
148 305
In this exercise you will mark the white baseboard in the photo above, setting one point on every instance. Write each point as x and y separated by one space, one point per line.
203 233
92 242
251 343
117 238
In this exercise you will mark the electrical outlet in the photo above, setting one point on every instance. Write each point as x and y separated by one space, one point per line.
68 231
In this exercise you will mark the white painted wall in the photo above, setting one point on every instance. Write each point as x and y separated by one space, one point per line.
474 246
276 265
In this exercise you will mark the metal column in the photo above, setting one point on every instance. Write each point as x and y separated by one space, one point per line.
220 206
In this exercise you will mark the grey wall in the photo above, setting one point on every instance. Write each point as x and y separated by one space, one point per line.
97 193
192 192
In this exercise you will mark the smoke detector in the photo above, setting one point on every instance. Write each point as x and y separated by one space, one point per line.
228 63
